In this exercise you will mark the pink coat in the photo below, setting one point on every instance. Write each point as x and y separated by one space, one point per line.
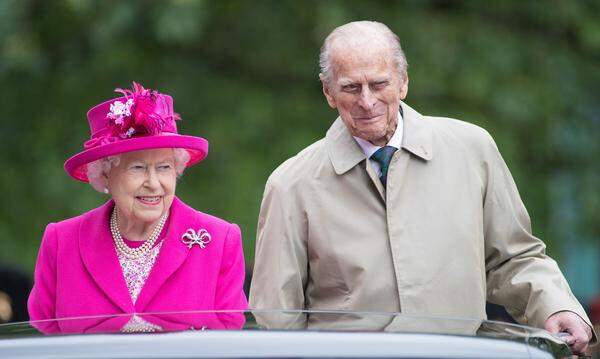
78 274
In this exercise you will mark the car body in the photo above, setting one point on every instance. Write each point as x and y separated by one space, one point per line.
403 337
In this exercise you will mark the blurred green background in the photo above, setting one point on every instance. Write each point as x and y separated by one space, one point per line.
244 75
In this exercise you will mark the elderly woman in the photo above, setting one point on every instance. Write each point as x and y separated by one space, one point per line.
144 250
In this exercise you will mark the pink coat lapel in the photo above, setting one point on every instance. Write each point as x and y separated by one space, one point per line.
100 257
172 254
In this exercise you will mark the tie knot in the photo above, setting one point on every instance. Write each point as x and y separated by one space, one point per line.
384 155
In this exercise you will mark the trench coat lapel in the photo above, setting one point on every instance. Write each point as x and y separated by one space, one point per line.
343 150
172 254
100 257
417 136
416 145
345 153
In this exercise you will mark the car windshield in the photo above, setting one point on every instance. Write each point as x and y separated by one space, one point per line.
296 321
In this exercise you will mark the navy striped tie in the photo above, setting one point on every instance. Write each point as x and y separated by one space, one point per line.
383 156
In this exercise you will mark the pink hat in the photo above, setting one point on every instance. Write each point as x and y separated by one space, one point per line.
142 119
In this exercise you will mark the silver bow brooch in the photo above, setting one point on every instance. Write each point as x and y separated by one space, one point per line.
190 237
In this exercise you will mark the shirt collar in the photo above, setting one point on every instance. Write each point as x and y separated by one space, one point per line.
345 152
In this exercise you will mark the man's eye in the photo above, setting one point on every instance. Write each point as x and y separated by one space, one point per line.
380 84
350 88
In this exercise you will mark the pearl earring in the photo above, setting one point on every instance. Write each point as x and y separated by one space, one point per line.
105 190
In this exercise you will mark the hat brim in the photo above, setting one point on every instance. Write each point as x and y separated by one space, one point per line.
197 147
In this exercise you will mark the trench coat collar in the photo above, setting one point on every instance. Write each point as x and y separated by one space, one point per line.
345 153
100 257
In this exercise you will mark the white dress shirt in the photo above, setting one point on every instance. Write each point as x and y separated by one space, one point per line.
369 148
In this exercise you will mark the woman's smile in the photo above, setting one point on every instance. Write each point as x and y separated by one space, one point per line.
149 200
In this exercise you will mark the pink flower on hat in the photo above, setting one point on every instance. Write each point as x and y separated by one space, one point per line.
144 112
120 110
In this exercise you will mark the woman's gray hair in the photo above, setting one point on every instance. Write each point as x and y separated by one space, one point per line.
361 32
97 170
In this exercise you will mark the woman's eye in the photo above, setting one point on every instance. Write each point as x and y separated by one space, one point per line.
164 167
137 167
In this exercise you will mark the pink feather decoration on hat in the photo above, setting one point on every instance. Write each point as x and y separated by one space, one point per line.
144 112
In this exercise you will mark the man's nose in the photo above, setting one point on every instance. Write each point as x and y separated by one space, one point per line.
367 100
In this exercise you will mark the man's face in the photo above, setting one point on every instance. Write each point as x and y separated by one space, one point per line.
366 89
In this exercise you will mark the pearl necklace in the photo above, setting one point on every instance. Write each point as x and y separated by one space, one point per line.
135 253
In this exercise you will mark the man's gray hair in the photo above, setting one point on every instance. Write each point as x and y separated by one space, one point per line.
361 32
97 169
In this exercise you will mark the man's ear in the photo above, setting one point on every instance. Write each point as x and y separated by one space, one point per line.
404 88
326 92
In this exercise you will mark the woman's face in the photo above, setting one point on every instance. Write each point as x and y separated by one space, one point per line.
143 184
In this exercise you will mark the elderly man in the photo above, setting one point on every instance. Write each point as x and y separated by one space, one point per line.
395 211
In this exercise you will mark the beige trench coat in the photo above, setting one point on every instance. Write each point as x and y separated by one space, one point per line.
450 232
